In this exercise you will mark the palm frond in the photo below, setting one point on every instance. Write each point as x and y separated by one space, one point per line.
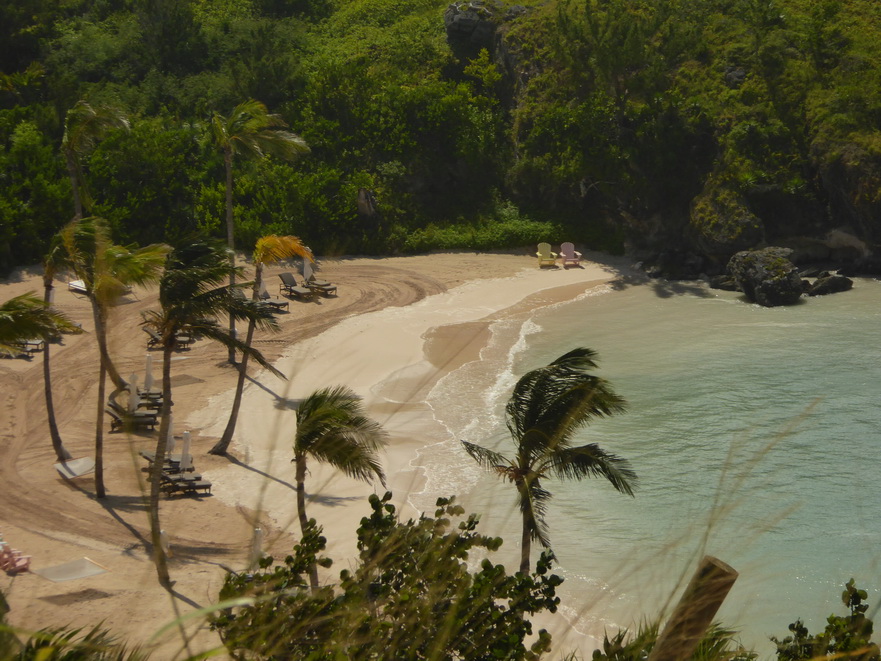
592 461
27 317
273 248
485 458
332 428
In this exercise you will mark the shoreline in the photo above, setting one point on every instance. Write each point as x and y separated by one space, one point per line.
398 326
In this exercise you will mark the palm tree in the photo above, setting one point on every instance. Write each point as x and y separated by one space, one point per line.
52 261
269 250
192 297
84 126
252 132
106 270
26 317
333 428
547 407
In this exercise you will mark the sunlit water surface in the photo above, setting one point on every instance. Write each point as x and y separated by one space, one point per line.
754 433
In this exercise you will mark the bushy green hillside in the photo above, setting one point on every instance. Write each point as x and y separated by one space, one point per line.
686 127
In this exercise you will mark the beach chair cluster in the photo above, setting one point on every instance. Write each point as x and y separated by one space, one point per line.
179 476
13 561
274 303
27 348
143 415
567 256
306 291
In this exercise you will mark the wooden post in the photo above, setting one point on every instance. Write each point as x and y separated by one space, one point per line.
695 611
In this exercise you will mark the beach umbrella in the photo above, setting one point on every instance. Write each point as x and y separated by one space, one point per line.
148 375
256 548
133 399
169 440
186 461
163 541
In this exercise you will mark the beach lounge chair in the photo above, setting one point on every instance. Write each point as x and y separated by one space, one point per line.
29 347
569 256
545 256
320 286
274 302
183 340
121 419
12 560
291 287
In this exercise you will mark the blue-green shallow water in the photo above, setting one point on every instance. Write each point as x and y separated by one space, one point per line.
754 432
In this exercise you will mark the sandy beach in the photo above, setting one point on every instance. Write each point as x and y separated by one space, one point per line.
397 325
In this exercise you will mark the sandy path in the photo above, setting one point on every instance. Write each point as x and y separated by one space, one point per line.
56 520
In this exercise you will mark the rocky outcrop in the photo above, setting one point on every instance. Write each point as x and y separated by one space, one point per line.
767 276
829 284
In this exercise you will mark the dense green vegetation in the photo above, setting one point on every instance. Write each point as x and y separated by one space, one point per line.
699 126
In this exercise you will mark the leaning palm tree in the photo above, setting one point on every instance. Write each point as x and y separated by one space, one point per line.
269 250
333 428
52 261
547 407
250 131
192 297
84 126
106 270
26 317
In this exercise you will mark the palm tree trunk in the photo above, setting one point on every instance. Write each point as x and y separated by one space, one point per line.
61 452
100 492
221 447
74 185
525 547
300 478
230 241
156 473
101 337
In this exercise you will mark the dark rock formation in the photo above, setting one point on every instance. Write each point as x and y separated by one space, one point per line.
766 276
471 26
830 284
723 282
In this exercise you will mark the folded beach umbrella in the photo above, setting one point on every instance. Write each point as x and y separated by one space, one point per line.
148 375
186 460
169 440
133 398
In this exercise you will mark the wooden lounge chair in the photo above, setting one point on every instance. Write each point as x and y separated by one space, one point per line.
321 286
274 302
545 256
12 560
569 256
121 419
183 340
29 347
291 287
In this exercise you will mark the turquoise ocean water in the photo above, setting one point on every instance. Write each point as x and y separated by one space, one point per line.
755 434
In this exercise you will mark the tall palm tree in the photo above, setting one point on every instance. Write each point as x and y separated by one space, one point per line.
52 261
333 428
547 407
250 131
107 270
192 297
269 250
26 317
84 126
